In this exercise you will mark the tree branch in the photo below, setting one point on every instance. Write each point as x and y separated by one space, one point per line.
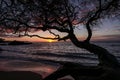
64 38
38 36
96 16
56 35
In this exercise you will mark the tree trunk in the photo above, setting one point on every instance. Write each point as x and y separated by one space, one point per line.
104 57
108 68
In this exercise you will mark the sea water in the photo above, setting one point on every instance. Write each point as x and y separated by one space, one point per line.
43 57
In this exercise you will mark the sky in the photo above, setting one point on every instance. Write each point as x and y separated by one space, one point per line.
109 30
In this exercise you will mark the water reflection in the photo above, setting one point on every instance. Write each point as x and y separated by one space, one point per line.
37 57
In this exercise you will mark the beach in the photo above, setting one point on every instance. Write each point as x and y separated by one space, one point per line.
42 58
19 65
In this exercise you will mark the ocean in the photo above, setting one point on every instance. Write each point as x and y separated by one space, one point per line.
43 57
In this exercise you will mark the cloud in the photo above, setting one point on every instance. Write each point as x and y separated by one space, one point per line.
117 28
6 35
112 36
115 37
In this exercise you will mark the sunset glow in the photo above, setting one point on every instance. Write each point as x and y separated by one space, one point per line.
50 40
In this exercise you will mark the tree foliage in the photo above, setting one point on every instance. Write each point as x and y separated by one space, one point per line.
22 17
25 16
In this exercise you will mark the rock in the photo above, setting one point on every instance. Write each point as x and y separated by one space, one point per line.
19 75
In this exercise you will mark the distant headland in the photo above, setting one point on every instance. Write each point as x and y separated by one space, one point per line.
4 42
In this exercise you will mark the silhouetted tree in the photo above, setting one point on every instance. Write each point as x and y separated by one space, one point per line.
22 17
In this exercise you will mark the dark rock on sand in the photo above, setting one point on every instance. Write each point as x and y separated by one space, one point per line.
19 75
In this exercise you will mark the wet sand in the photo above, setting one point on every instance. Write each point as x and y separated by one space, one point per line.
19 65
25 70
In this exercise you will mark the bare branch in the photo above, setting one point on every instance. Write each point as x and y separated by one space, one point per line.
64 38
38 36
56 35
96 16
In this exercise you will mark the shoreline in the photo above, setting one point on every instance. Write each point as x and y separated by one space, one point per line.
25 70
20 66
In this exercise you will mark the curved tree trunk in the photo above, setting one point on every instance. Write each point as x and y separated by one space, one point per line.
76 71
108 68
105 58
